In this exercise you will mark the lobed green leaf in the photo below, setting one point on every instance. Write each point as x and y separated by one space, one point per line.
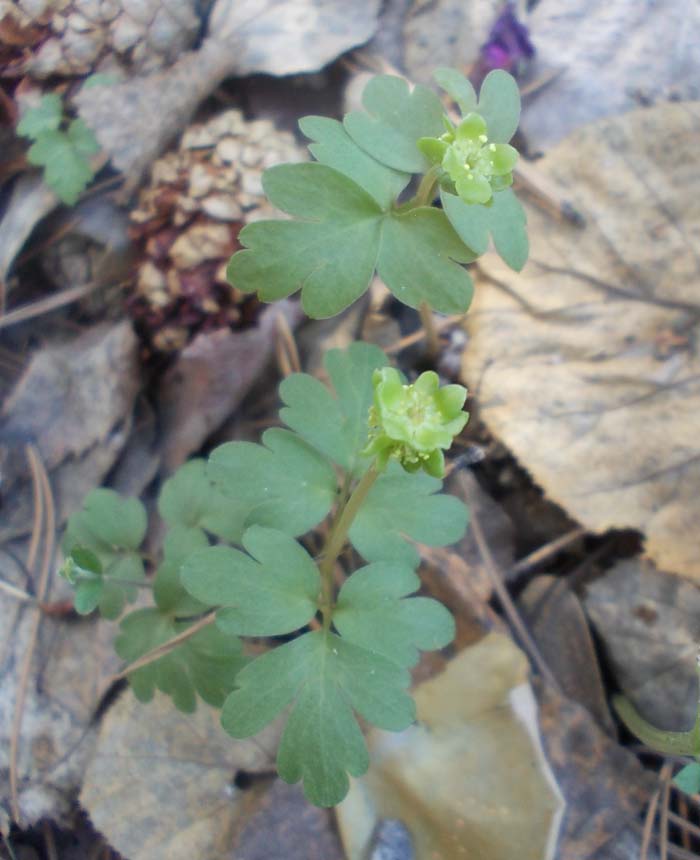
335 425
373 611
344 236
190 500
402 507
168 591
504 219
67 169
396 118
271 591
334 147
324 678
46 116
499 105
283 483
204 665
458 87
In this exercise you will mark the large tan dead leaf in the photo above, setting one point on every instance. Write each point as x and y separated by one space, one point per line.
160 783
584 365
471 779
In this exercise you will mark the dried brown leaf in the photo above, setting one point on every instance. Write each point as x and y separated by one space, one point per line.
584 364
210 379
161 783
649 624
74 402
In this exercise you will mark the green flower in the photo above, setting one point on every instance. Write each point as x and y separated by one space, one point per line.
476 167
414 423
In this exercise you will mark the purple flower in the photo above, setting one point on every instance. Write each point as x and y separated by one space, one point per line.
508 47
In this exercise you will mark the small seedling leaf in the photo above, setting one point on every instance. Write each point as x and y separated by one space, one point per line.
46 116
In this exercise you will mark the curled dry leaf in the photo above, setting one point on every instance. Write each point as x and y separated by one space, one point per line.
556 619
471 773
134 120
161 783
649 624
70 666
584 364
74 403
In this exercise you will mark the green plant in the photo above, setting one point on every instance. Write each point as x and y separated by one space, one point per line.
365 454
349 221
61 147
233 566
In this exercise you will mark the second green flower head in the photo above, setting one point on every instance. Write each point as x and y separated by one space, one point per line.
414 423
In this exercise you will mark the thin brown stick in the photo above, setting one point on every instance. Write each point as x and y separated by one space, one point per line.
44 513
156 653
544 553
286 347
418 335
43 306
17 593
508 606
686 827
665 778
649 825
50 841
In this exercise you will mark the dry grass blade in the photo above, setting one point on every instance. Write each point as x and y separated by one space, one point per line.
665 777
420 334
546 552
509 608
50 303
156 653
44 522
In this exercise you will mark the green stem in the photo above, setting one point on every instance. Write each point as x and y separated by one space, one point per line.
671 743
426 191
337 537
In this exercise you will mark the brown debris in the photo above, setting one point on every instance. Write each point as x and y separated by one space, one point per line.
187 224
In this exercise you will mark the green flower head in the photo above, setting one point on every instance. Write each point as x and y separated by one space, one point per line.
414 423
476 167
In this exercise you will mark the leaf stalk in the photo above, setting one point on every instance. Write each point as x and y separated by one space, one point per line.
337 537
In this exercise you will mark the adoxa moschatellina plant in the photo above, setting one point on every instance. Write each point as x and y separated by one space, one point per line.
365 454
